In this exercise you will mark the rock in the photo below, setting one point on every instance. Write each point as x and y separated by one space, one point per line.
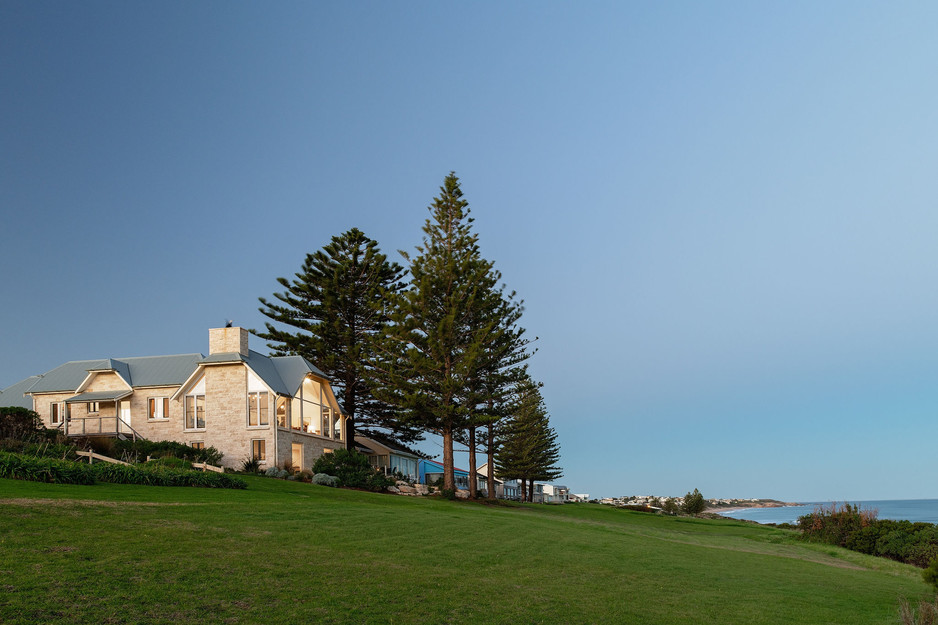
422 489
407 490
394 489
462 494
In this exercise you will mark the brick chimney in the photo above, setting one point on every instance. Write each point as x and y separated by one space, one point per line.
228 341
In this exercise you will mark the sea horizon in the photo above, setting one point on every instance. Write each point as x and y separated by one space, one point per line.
915 510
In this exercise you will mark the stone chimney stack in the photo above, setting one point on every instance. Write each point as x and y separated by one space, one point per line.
228 341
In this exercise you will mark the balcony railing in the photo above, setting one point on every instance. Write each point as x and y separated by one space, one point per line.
100 426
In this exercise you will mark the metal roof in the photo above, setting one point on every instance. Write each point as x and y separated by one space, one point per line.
139 371
14 395
99 396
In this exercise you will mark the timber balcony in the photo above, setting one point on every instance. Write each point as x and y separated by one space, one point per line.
100 426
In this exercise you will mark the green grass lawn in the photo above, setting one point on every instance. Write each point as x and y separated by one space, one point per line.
286 552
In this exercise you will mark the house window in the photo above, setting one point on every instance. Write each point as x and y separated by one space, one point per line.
158 408
58 413
282 412
197 444
93 407
259 449
257 408
326 415
195 412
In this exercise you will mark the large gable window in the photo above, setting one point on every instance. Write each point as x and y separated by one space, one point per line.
195 412
258 408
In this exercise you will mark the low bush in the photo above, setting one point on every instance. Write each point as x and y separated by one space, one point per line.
250 465
171 462
325 480
162 476
353 470
859 530
159 449
930 574
33 469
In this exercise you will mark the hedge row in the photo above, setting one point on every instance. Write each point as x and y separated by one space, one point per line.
20 467
860 530
158 449
52 470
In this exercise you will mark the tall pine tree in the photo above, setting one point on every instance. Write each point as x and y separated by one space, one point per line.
435 347
333 308
528 449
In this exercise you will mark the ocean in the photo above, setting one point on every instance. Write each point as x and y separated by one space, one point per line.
915 510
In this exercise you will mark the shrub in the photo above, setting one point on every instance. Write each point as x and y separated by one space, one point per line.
162 476
20 423
250 465
694 503
33 469
304 476
171 462
159 449
272 472
930 575
353 470
325 480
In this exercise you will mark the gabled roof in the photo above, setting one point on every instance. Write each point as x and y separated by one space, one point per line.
376 446
283 374
140 371
119 367
14 395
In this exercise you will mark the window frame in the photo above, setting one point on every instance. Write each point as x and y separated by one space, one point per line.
259 449
196 409
163 405
259 410
93 407
57 413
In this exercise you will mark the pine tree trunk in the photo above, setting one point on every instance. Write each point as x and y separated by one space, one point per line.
531 490
350 432
349 398
449 476
490 481
473 485
524 492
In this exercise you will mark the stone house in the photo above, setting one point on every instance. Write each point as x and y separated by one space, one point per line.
280 410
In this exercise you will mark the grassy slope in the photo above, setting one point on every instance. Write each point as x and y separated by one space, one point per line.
283 552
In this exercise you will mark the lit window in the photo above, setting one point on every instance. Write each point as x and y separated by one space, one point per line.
197 445
259 449
326 415
282 412
195 411
158 408
257 408
93 407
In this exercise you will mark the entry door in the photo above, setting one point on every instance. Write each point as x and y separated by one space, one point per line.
297 456
124 425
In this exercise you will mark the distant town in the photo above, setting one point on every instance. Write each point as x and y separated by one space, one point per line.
659 501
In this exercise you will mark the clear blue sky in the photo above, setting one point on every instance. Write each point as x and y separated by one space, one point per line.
722 216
